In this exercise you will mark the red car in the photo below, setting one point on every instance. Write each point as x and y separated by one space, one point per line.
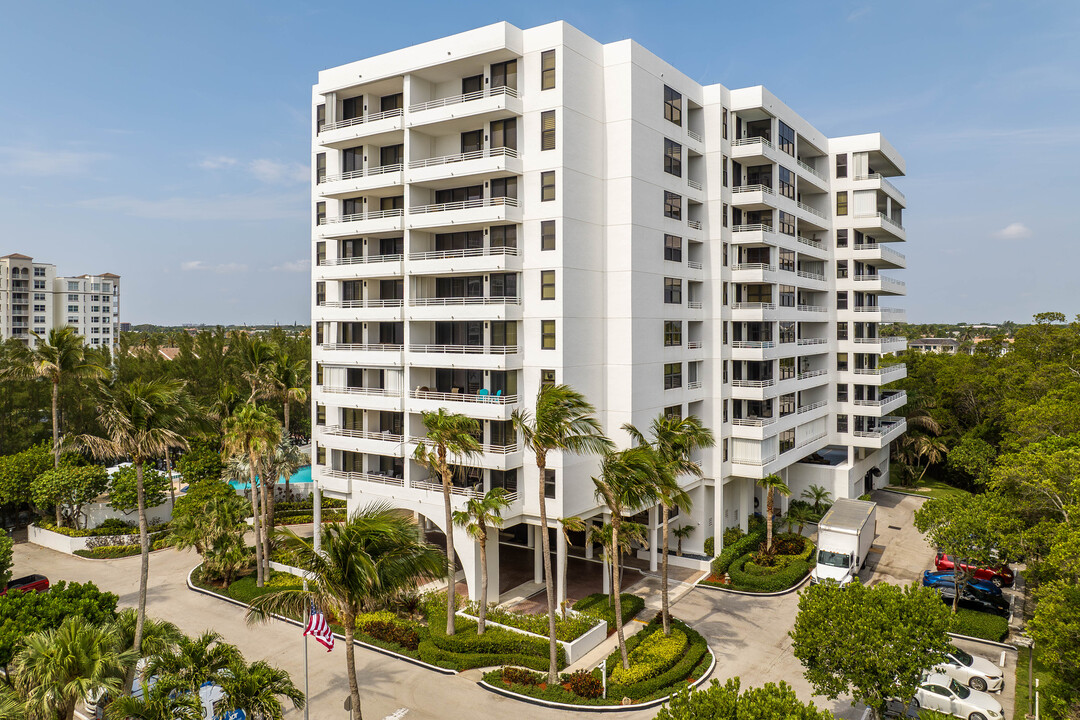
29 583
1000 576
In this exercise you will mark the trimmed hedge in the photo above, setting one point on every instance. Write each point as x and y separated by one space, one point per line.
108 527
652 656
301 518
566 630
111 552
598 605
781 580
309 504
980 625
729 554
390 628
696 651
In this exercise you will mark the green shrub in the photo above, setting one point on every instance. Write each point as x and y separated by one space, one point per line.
652 656
282 580
737 549
695 655
600 605
980 625
782 579
521 676
710 546
733 534
309 504
301 518
109 552
107 528
567 630
467 649
388 627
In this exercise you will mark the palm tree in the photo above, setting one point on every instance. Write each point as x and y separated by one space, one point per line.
377 554
478 515
933 449
156 703
681 533
289 378
251 433
818 495
771 483
798 515
673 440
447 434
562 421
630 533
256 689
284 461
569 525
256 358
57 668
60 356
194 661
140 420
159 636
626 483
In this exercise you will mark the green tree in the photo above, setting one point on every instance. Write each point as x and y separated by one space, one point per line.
19 471
283 462
799 515
672 441
1056 629
771 484
257 689
124 489
68 489
479 515
682 533
140 421
24 613
818 496
159 636
932 449
1044 477
869 643
7 545
374 556
251 435
562 421
972 456
289 379
157 702
201 462
730 702
626 484
194 661
447 434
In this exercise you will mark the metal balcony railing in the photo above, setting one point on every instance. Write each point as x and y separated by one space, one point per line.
753 421
361 260
753 344
365 347
810 169
424 302
467 97
395 302
758 227
465 349
811 210
751 141
753 266
490 399
365 477
463 205
752 188
374 392
463 253
370 117
463 157
384 436
368 172
370 215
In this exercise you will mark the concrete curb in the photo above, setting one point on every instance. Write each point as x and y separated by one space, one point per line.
793 588
595 708
297 623
984 641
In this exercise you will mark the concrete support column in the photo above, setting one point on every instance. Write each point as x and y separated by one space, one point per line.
746 497
420 525
493 567
654 538
530 536
538 554
560 567
718 516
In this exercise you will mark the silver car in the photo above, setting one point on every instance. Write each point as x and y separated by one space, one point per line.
943 694
975 672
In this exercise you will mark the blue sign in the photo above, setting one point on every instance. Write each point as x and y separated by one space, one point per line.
233 715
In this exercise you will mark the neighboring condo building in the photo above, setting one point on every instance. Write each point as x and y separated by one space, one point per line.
34 300
505 208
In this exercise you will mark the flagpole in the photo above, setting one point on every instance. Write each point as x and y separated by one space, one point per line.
307 695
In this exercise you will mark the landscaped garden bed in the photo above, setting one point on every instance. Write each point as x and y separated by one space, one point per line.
980 625
110 552
600 605
659 666
744 566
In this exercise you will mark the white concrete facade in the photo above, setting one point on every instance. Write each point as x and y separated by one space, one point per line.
34 300
589 215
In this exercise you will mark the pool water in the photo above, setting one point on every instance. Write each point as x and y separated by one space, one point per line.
303 475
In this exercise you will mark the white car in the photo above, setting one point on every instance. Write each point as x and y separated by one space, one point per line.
975 672
945 695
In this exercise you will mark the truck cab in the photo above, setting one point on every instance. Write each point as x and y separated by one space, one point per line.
834 566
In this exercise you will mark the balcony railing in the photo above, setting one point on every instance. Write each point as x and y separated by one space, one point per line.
886 252
885 280
878 309
886 340
693 345
886 370
423 302
884 183
356 217
811 275
813 438
751 141
365 476
368 172
346 390
810 169
812 341
811 308
693 135
463 205
812 406
693 304
429 485
463 157
484 447
490 399
757 227
753 421
811 210
897 397
465 349
811 242
384 436
752 344
811 373
463 253
695 224
393 302
693 385
884 218
754 461
694 184
888 425
752 188
753 266
467 97
753 383
361 259
365 347
753 306
371 117
693 264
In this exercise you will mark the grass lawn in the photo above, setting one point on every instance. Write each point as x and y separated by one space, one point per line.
1041 673
928 486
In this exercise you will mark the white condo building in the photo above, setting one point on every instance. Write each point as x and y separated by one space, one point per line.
34 300
504 208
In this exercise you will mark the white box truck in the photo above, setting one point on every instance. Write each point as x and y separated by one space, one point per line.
845 535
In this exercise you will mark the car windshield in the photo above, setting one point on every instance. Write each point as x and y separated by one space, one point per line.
961 657
827 557
960 691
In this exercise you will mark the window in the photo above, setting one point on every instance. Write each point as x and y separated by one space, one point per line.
724 302
72 320
787 332
352 108
320 168
787 260
787 139
547 130
673 411
504 236
787 296
724 254
841 165
39 284
500 187
504 74
320 293
39 272
672 333
672 376
547 378
547 234
672 205
841 423
549 483
841 362
320 213
547 70
725 124
787 404
320 253
787 440
547 284
320 455
320 118
841 203
503 285
547 334
841 238
787 368
672 106
787 182
673 248
841 300
841 331
725 214
395 101
472 84
672 158
504 134
73 286
673 291
320 414
724 161
547 185
73 309
842 392
841 268
39 296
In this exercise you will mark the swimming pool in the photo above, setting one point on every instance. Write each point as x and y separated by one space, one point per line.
303 475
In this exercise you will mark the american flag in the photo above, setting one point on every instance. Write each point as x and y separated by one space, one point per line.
319 629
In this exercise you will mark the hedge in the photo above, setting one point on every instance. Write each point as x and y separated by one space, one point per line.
781 561
106 528
567 630
781 580
598 605
111 552
309 504
695 652
653 656
737 549
980 625
301 518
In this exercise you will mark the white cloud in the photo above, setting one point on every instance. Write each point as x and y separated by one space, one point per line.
1013 231
217 162
220 269
25 161
297 266
290 206
277 173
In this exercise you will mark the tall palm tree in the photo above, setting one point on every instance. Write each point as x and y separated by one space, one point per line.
626 483
630 533
257 688
140 420
933 449
283 462
251 434
61 355
771 483
289 377
673 440
256 359
480 514
375 555
561 421
569 525
159 636
447 434
194 661
57 668
817 495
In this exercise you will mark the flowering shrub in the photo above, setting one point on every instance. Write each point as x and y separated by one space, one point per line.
584 684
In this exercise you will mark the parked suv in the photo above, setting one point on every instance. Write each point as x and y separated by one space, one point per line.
1001 576
29 583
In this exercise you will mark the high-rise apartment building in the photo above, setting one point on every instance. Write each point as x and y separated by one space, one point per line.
506 208
34 300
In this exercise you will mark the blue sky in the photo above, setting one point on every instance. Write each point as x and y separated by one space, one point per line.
169 142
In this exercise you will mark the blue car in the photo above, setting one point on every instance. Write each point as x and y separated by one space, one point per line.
945 579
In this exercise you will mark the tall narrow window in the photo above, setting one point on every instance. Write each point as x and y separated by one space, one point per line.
320 167
672 158
504 74
672 333
672 376
673 248
549 483
672 205
547 185
841 300
547 70
320 253
673 291
320 118
724 161
841 203
320 213
787 139
841 238
725 214
547 234
547 284
547 334
320 293
504 133
841 331
672 106
547 130
841 165
787 183
725 124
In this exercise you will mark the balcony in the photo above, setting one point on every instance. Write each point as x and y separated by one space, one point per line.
496 457
356 181
880 345
466 214
465 308
365 441
887 403
891 428
751 311
812 308
485 357
876 181
464 349
753 197
494 103
752 273
882 375
758 234
487 162
812 406
361 397
877 313
881 226
486 406
375 354
881 254
811 174
752 148
374 221
484 259
342 132
344 310
341 480
880 284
